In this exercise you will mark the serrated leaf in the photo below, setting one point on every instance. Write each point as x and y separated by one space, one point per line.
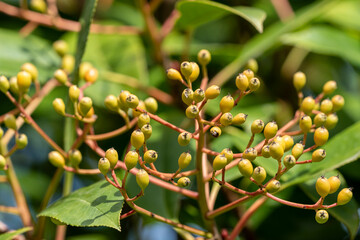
12 235
197 12
96 205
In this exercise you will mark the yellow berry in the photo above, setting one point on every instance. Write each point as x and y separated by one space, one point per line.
212 92
321 216
122 99
245 167
226 103
4 84
151 105
75 157
187 96
14 88
318 155
143 119
305 123
91 75
68 63
136 111
59 106
132 101
195 72
326 106
265 151
85 105
257 126
248 73
150 156
61 76
61 47
192 111
184 138
297 150
226 119
199 95
276 150
322 186
239 119
228 154
184 160
252 65
2 162
344 196
338 102
320 119
131 159
334 183
10 121
219 162
299 81
289 161
74 93
146 130
30 68
183 182
250 153
280 140
204 57
56 159
321 136
112 155
273 186
242 82
307 105
215 131
289 142
270 130
111 103
137 138
254 84
23 81
331 121
173 74
186 68
84 68
21 141
329 87
142 179
259 174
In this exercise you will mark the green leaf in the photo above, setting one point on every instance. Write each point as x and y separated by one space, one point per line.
99 204
346 14
12 235
197 12
326 40
85 22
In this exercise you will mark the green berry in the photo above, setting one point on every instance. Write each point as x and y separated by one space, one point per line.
84 68
329 87
85 105
334 183
21 141
219 162
344 196
132 101
173 74
112 155
326 106
184 160
331 121
183 182
249 74
56 159
61 76
142 179
228 154
14 88
61 47
289 142
151 105
23 81
320 119
259 174
10 121
192 111
297 150
318 155
68 63
239 118
289 161
215 131
273 186
199 95
338 102
321 216
2 162
30 68
4 84
265 151
226 119
186 69
270 130
226 103
250 153
257 126
150 156
212 92
204 57
307 105
245 167
59 106
195 72
75 157
187 96
184 138
305 123
143 119
131 159
147 131
322 186
74 93
91 75
242 82
321 136
111 103
276 150
252 65
254 84
137 138
299 81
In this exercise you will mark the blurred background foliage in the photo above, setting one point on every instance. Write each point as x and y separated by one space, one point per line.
322 40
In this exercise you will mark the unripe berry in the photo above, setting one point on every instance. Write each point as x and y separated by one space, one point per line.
173 74
147 131
151 105
280 141
186 68
226 103
321 216
270 130
305 123
226 119
142 179
242 82
307 105
21 141
289 142
112 155
212 92
143 119
132 101
331 121
204 57
250 153
2 162
318 155
74 93
135 112
265 151
61 76
273 186
187 96
320 119
137 138
111 103
61 47
344 196
184 138
276 150
299 81
252 65
322 186
239 118
10 121
68 63
321 136
329 87
59 106
4 84
23 81
14 88
122 99
326 106
257 126
90 113
84 68
289 161
338 102
199 95
85 105
56 159
184 160
254 84
334 183
75 157
192 111
31 69
297 150
248 73
228 154
91 75
183 182
219 162
150 156
259 174
131 159
245 167
195 72
215 131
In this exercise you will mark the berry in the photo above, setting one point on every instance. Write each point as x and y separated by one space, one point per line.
85 105
344 196
56 159
226 119
147 131
199 95
4 84
334 183
2 162
131 159
90 113
299 81
289 161
242 82
111 103
270 130
276 150
183 182
150 156
239 118
61 47
142 179
215 131
10 121
184 160
219 162
74 93
265 151
14 88
257 126
331 121
30 68
305 123
245 167
59 106
212 92
137 138
84 68
259 174
338 102
143 119
204 57
151 105
61 76
248 73
280 140
297 150
186 68
23 81
289 142
273 186
250 153
195 72
187 96
192 111
91 75
320 119
21 141
122 99
1 132
326 106
321 136
226 103
307 105
75 157
173 74
136 112
228 154
329 87
184 138
322 186
318 155
132 101
254 84
321 216
112 155
68 63
252 65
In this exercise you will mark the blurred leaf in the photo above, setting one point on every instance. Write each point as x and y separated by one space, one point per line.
326 40
12 235
346 14
197 12
96 205
347 214
91 236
